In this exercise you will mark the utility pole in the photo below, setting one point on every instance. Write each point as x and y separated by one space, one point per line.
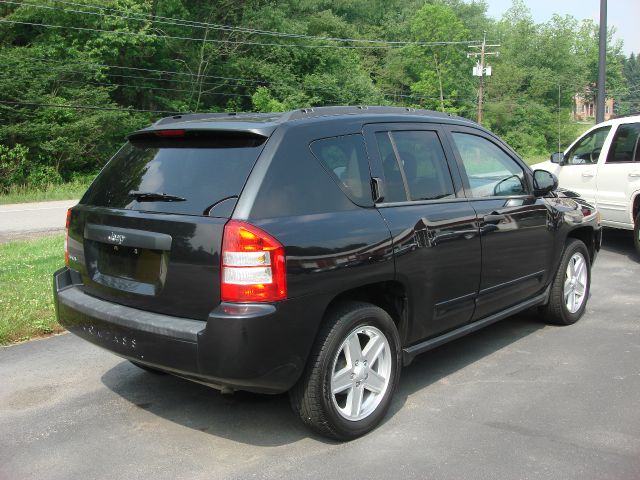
602 62
480 70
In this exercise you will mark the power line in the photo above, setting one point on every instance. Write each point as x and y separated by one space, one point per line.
166 72
245 80
229 28
86 107
148 87
200 40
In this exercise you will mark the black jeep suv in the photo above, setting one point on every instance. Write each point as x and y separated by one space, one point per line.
316 251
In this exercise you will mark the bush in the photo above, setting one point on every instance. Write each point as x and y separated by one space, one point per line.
13 166
41 176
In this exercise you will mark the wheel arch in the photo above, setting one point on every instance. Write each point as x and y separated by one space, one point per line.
390 295
586 235
635 206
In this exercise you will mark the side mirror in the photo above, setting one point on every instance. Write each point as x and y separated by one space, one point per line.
558 158
544 182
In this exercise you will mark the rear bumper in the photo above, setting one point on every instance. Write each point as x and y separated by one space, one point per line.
258 347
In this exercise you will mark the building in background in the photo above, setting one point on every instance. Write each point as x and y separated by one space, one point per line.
585 109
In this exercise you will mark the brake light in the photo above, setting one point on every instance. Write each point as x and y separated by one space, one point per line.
66 238
171 133
252 265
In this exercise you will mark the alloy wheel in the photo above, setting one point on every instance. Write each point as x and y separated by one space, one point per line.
360 373
575 285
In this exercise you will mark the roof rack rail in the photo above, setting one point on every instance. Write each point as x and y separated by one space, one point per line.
354 110
195 117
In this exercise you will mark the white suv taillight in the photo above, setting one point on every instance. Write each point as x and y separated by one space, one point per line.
66 239
252 265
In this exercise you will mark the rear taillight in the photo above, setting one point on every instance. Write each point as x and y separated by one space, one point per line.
66 239
253 265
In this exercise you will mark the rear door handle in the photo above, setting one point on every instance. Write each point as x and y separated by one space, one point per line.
634 174
587 174
494 218
378 189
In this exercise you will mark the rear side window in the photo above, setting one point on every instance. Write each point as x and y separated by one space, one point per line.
346 160
198 172
624 147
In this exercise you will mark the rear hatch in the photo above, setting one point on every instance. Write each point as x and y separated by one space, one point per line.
148 232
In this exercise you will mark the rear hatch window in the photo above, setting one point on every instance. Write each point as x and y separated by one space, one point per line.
186 174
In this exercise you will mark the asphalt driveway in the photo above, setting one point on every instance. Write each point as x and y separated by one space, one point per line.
516 400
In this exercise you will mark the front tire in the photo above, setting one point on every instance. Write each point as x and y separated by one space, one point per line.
571 285
352 372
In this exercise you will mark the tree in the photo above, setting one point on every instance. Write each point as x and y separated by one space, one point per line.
629 101
439 71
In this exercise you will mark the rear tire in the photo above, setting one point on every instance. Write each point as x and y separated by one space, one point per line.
351 374
636 234
570 287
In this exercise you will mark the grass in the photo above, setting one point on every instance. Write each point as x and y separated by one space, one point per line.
26 298
535 159
63 191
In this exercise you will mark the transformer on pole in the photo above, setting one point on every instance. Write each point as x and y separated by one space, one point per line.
481 70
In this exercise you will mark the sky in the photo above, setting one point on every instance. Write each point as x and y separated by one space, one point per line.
622 14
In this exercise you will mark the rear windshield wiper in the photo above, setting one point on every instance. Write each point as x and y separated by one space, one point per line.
155 197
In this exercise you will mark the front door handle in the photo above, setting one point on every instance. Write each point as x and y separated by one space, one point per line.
494 218
634 174
587 174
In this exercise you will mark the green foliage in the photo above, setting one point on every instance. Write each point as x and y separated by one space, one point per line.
13 165
20 193
69 95
440 70
629 101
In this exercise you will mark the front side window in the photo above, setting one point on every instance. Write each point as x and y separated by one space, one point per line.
345 158
588 148
491 172
624 147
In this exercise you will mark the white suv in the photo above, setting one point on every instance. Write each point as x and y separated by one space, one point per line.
603 166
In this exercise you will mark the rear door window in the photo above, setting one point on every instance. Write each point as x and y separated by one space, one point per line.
414 166
394 189
624 147
194 174
346 160
424 165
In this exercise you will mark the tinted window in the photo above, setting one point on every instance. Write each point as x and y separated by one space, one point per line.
200 175
588 148
490 170
346 160
297 184
424 164
394 190
624 147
